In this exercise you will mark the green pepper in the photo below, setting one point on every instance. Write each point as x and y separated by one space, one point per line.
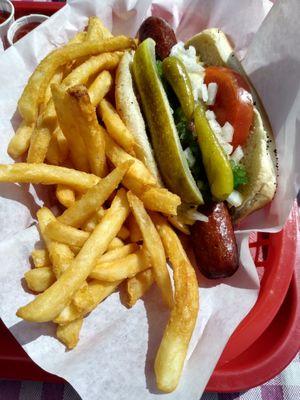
216 163
175 73
165 141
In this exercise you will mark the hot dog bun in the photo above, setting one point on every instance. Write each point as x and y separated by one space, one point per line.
213 48
130 112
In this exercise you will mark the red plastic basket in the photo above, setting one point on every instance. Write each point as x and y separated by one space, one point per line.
266 340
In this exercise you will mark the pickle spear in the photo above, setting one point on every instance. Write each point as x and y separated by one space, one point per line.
172 163
175 73
215 161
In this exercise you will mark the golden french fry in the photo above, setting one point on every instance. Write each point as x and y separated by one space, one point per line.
40 258
138 285
134 229
87 126
68 334
160 199
39 143
62 233
66 110
115 244
93 199
62 144
116 127
65 195
96 30
47 175
123 268
53 152
56 78
60 254
34 91
50 303
78 38
19 143
119 252
174 345
91 223
154 246
100 87
123 233
98 290
83 299
177 222
39 279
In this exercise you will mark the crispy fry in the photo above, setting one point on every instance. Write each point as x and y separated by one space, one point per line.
96 30
65 195
82 299
154 246
62 233
174 345
39 143
19 143
177 222
53 152
87 126
93 199
50 303
116 127
123 233
47 175
138 285
62 144
56 78
134 229
34 91
98 290
78 38
139 180
119 252
39 279
91 223
68 334
40 258
60 254
100 87
115 244
123 268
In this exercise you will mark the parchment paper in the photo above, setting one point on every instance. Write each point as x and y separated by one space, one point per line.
114 358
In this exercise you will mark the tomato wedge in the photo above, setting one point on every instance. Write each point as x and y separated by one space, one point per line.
233 101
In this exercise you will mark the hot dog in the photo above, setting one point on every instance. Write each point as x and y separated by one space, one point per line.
209 135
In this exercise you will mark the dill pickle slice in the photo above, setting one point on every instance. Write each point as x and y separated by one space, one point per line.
216 163
172 164
175 73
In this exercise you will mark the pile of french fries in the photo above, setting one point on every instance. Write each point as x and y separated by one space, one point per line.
114 228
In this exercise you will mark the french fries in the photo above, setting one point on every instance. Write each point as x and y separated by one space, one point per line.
47 175
34 91
154 246
50 303
120 269
68 334
105 236
116 127
93 199
100 87
39 279
40 258
19 143
174 345
137 286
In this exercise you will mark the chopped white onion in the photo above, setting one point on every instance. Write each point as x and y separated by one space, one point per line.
195 215
210 115
212 92
235 198
227 132
237 155
215 126
204 92
189 157
227 148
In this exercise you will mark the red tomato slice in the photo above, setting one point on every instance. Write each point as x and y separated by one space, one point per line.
233 101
